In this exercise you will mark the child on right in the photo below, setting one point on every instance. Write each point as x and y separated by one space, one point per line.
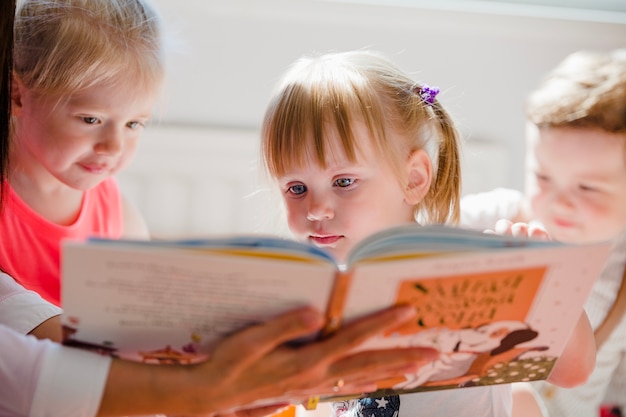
576 190
355 146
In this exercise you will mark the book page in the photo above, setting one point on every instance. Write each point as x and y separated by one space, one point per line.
414 240
496 317
168 306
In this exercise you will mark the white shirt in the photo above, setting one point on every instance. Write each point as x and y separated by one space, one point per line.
482 210
489 401
40 377
20 309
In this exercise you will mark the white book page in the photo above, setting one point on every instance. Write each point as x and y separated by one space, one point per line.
178 301
486 285
495 317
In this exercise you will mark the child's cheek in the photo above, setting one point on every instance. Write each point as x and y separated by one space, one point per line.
537 206
296 220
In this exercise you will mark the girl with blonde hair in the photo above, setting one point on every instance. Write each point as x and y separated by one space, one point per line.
356 146
86 77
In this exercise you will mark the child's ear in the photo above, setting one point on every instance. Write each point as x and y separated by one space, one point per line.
17 90
419 176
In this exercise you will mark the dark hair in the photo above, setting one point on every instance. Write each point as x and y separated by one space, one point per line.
7 16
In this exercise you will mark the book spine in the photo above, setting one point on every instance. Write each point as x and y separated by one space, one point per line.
334 310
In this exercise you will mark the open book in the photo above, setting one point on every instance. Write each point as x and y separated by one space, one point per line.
500 309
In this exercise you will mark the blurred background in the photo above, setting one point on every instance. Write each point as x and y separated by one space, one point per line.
196 169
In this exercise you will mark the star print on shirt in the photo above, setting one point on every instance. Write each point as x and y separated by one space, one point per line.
379 407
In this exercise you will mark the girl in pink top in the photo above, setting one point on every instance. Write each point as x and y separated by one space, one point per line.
44 378
87 75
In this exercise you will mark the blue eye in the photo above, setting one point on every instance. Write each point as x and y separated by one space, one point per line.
297 189
344 182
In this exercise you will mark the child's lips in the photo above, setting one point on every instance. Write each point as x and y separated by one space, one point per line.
96 169
326 240
563 223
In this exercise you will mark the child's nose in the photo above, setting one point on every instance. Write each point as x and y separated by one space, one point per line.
111 143
319 209
562 198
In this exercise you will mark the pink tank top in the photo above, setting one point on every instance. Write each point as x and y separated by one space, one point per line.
30 245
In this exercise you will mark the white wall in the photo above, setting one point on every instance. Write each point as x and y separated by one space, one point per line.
231 52
196 169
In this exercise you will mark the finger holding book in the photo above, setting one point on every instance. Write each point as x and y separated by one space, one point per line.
294 373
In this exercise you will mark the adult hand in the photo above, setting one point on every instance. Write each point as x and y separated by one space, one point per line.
253 372
263 371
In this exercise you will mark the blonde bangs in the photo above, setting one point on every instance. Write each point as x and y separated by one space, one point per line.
306 111
63 48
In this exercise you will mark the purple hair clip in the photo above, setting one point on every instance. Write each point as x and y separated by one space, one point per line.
428 93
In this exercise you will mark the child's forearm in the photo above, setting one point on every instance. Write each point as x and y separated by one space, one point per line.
135 226
578 358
